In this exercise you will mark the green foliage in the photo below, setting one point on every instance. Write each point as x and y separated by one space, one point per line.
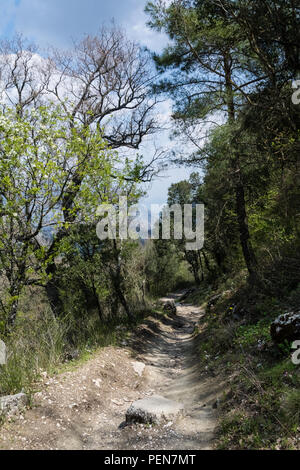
247 335
222 68
40 342
259 409
40 155
291 408
228 68
36 344
165 269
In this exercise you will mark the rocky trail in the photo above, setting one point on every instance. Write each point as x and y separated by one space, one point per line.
85 407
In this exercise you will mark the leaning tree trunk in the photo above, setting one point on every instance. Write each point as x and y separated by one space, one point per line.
192 259
123 302
248 252
206 260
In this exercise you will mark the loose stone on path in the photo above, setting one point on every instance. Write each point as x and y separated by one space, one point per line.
153 410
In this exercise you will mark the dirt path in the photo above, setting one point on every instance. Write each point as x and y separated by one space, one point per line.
84 408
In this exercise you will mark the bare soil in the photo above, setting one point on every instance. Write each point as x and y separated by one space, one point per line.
85 408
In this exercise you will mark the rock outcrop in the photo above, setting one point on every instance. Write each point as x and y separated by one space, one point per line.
12 404
286 327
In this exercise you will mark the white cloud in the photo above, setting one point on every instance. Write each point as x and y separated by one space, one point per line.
138 30
56 22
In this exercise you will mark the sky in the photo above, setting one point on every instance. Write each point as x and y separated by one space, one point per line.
58 22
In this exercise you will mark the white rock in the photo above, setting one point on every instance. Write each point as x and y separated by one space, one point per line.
97 382
153 410
138 368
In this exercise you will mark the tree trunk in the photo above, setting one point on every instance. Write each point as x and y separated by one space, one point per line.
14 292
220 257
192 259
196 274
206 260
12 314
99 308
123 302
117 282
248 252
201 266
237 179
52 291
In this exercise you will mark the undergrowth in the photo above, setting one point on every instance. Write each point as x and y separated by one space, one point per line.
41 342
260 407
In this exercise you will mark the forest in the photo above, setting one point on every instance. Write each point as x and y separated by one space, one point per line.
71 127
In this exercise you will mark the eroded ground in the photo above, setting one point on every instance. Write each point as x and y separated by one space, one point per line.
84 408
